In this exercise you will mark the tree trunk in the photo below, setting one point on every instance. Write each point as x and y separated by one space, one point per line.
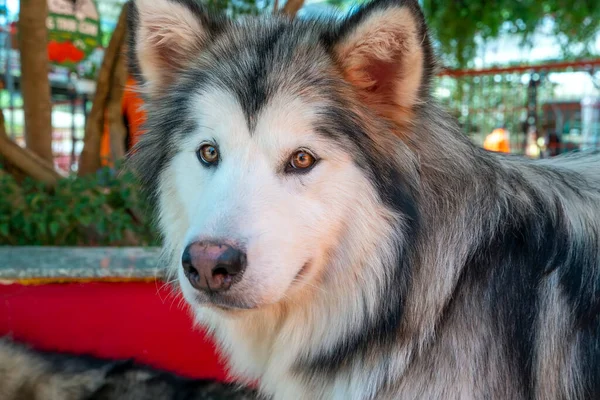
292 7
89 162
114 111
35 85
23 162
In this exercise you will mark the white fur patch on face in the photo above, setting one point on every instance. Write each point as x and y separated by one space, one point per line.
287 222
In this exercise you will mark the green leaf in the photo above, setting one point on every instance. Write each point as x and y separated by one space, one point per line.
85 220
54 227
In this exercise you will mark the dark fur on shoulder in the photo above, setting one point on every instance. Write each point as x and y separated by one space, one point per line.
26 374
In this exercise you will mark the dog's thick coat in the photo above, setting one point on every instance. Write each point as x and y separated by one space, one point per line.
407 263
27 374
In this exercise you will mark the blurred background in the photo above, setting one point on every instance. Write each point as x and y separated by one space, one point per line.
519 76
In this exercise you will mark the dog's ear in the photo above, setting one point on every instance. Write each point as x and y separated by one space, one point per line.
384 51
164 37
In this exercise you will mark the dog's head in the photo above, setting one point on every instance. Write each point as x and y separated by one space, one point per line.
275 148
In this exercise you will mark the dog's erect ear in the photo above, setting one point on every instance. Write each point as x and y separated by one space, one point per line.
164 37
385 52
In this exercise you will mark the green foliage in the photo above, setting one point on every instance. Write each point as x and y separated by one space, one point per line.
457 23
235 8
101 210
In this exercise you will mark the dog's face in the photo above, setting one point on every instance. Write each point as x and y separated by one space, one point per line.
266 141
278 193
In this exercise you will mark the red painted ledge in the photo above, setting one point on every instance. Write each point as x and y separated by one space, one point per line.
114 320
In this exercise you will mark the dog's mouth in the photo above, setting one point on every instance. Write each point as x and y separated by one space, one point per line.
224 301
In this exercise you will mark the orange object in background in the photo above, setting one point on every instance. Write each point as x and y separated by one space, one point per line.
64 51
497 141
131 106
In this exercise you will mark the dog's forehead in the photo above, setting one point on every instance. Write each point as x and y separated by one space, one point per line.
260 59
283 123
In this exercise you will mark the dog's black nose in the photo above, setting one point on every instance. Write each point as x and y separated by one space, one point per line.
211 266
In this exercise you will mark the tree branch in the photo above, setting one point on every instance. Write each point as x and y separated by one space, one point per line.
26 161
292 7
89 162
114 111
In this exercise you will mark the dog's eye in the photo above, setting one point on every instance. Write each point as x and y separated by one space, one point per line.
208 154
301 161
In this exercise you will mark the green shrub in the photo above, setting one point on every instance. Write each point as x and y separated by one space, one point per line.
100 210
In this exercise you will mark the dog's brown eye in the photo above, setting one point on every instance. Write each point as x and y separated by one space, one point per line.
301 160
208 154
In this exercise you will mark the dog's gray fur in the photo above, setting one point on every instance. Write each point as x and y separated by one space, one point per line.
485 283
26 374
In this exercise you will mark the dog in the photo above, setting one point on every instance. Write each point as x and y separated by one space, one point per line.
30 374
335 231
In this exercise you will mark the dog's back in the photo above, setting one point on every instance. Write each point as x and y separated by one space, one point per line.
585 164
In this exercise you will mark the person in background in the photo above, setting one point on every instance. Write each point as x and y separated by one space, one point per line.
133 115
553 147
497 141
533 148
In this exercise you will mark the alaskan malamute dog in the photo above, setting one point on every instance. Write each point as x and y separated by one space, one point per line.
338 234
